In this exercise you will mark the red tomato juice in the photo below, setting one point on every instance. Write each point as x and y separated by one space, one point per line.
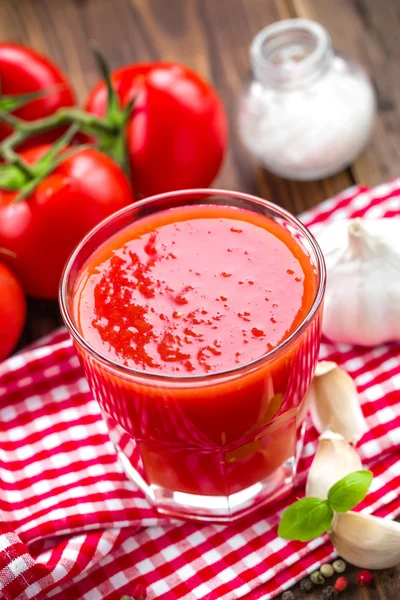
186 301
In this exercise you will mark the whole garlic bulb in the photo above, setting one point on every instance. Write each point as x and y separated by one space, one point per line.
362 300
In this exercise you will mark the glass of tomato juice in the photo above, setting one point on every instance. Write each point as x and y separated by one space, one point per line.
196 316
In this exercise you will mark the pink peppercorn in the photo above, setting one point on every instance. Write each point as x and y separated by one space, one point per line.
139 592
364 578
341 584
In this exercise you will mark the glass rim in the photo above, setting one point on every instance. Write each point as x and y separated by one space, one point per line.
201 377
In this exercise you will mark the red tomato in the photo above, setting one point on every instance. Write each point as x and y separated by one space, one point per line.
43 229
23 70
12 310
177 134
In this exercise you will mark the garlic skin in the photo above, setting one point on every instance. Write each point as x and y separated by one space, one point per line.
335 458
366 541
333 402
362 299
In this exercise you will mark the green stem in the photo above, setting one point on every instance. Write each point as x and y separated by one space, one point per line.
48 162
13 140
113 105
16 160
90 124
109 131
8 252
10 103
7 150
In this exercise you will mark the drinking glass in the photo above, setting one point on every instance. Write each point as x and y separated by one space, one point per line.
211 446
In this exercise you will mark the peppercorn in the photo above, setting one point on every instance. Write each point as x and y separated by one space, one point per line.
139 592
364 578
288 595
327 570
317 578
329 593
306 585
341 584
339 566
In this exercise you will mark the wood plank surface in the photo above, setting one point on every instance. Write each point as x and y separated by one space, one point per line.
213 37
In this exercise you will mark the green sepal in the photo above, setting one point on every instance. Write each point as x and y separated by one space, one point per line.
25 178
113 104
13 102
114 144
12 178
48 162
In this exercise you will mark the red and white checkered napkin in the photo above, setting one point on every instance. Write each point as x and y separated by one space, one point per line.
74 526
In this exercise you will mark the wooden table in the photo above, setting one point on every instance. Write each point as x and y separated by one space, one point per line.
213 37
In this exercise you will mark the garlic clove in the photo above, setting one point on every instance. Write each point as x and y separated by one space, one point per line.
335 458
333 401
366 541
362 299
323 367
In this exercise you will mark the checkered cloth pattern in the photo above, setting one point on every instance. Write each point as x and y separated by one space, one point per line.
73 526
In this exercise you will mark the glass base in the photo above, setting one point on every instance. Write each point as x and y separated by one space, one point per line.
220 509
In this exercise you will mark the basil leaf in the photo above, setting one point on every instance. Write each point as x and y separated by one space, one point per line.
349 491
305 520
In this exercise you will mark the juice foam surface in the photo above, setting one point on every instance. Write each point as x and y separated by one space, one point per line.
194 290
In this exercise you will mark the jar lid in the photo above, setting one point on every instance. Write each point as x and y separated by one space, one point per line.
290 51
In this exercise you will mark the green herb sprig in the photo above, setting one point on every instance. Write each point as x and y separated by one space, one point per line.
309 518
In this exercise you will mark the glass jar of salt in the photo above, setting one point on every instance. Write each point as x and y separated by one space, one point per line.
307 112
